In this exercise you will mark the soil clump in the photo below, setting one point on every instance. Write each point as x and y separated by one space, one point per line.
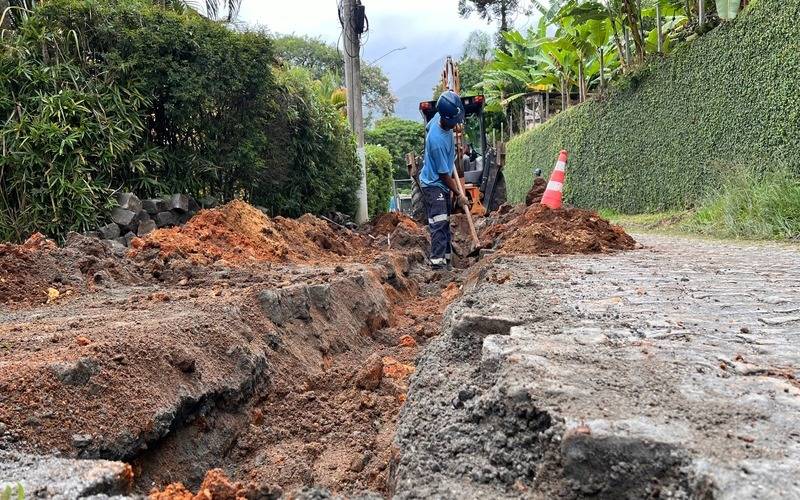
540 230
39 272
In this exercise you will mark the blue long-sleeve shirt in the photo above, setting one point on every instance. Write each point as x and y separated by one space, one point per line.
440 155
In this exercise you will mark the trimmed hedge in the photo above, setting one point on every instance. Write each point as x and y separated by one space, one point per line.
729 99
379 179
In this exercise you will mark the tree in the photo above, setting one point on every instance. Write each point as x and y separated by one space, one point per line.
400 137
322 58
218 10
478 47
492 10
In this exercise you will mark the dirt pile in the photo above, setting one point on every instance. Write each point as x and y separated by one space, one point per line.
536 192
538 229
397 231
238 232
38 272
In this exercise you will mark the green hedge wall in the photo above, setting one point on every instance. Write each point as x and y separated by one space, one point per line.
729 99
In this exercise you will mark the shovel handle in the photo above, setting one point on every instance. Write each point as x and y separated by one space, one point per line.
472 231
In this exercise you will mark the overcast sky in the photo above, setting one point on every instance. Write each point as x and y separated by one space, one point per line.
428 28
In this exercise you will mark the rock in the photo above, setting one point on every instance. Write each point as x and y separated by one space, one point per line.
193 205
208 202
129 236
358 463
407 341
129 201
146 227
154 206
184 361
51 477
370 375
75 373
179 203
109 231
122 216
81 440
184 217
166 219
118 249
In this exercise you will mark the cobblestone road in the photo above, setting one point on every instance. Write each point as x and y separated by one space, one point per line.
677 367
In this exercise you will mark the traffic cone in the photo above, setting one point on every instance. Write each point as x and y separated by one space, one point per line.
552 195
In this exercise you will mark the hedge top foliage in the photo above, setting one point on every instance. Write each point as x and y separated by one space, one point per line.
729 99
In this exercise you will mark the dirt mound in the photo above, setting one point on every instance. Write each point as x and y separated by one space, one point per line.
539 229
386 223
397 231
238 232
536 192
39 272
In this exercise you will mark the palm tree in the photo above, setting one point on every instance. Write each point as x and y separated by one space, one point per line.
218 10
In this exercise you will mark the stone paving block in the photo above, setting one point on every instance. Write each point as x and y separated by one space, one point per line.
166 219
129 201
109 231
179 203
154 206
122 216
145 227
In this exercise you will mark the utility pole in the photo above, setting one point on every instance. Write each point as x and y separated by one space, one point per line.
659 28
353 18
701 12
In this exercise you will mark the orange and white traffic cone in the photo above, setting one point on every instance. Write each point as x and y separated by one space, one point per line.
552 195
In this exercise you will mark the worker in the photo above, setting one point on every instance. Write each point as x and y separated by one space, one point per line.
436 178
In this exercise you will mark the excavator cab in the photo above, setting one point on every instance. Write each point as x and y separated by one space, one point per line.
482 177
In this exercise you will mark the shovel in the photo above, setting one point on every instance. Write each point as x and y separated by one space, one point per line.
477 242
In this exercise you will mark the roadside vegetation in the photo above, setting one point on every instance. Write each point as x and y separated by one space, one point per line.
749 204
698 127
99 97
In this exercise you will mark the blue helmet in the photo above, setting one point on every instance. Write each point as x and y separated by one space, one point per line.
450 108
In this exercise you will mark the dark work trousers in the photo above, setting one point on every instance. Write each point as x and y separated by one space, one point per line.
437 204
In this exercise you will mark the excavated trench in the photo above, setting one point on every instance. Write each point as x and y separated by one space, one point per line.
283 375
284 364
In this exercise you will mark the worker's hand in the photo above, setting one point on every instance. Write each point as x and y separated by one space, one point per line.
462 200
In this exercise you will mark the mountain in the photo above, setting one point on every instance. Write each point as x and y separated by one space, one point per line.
419 89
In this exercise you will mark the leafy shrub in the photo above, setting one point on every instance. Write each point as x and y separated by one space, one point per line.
713 104
400 137
125 95
315 167
71 135
379 179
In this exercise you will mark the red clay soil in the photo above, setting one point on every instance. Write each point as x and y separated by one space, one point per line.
540 230
216 486
386 223
238 232
536 192
38 272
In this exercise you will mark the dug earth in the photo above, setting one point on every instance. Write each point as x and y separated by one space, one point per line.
241 356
